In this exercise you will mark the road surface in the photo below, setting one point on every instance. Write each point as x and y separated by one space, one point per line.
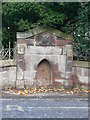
44 108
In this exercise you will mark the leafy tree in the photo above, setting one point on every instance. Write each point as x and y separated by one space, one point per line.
81 33
25 16
5 37
68 17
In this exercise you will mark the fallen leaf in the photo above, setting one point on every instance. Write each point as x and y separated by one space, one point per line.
26 91
25 94
80 94
20 92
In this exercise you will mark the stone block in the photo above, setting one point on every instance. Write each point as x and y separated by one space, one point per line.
47 50
21 48
69 66
21 64
62 81
84 79
66 83
5 69
79 71
89 72
69 50
85 72
62 59
12 68
70 58
26 74
5 74
12 75
20 73
20 84
64 50
67 75
61 68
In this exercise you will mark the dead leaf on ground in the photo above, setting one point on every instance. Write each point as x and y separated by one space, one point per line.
20 92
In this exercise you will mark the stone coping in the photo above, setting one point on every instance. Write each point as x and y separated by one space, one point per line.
5 63
41 29
82 64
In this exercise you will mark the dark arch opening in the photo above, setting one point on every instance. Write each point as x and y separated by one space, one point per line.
44 73
44 60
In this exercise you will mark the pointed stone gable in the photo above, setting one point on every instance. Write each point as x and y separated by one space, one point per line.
44 58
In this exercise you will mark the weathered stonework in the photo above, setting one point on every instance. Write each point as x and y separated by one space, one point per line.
35 49
7 73
81 73
44 58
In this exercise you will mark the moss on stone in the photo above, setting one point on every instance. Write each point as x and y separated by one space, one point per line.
10 62
41 29
81 64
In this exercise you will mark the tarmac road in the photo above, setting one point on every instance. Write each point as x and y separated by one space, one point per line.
44 108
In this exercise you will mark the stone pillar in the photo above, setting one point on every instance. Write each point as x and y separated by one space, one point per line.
20 81
69 64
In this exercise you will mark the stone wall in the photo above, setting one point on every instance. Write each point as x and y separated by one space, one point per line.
45 46
7 73
52 48
81 73
39 45
28 63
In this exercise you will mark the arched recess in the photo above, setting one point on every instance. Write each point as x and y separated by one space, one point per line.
44 73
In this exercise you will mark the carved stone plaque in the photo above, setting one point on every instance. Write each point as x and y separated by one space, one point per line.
45 39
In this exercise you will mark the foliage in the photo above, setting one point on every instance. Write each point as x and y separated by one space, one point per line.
81 33
5 37
68 17
23 25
